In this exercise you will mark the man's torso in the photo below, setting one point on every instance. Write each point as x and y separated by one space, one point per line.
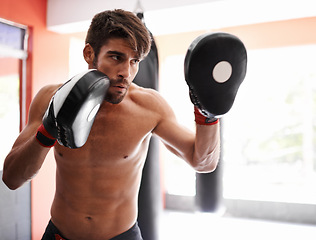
97 185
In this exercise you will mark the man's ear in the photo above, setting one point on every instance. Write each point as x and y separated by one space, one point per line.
88 54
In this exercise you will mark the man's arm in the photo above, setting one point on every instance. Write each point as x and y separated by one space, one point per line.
200 149
58 113
27 155
214 67
207 148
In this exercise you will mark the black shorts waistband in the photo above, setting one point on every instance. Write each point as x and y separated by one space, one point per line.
52 232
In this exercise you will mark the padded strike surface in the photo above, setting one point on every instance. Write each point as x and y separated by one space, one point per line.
74 116
203 55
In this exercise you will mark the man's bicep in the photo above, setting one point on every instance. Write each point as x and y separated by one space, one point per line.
36 111
40 103
177 138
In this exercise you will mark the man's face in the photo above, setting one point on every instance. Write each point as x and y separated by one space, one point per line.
120 63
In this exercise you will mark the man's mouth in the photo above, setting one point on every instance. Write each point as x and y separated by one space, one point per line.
119 85
119 88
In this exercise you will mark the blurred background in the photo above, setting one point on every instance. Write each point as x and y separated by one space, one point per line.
265 184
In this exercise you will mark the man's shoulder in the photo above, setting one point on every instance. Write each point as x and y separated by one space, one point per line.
146 95
149 99
49 89
42 98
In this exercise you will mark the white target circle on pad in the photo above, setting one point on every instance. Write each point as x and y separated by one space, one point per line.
222 71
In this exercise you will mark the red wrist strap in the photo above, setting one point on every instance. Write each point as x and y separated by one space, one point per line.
202 120
58 237
44 138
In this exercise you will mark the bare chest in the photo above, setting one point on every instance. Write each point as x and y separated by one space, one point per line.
118 135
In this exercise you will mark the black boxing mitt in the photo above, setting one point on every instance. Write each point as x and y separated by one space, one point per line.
215 65
72 110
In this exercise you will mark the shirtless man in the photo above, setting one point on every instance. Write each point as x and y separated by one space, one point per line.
97 184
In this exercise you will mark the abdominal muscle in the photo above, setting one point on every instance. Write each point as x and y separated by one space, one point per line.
96 201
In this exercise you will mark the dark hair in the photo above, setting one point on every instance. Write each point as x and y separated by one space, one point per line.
118 24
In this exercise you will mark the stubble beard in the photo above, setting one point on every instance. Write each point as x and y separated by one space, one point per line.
110 97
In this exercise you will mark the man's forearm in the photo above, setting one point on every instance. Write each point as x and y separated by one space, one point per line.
22 163
207 148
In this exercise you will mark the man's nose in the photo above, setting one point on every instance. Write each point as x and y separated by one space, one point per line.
125 70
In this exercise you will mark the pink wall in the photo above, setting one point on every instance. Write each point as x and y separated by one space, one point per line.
48 63
277 34
263 35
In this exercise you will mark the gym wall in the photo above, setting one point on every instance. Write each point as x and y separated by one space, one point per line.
48 58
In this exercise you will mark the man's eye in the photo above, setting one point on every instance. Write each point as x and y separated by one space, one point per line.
115 57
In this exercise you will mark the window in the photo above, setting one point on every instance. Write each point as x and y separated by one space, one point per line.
15 205
179 177
269 138
270 134
13 44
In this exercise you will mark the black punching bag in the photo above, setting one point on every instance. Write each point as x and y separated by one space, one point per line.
149 202
209 190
